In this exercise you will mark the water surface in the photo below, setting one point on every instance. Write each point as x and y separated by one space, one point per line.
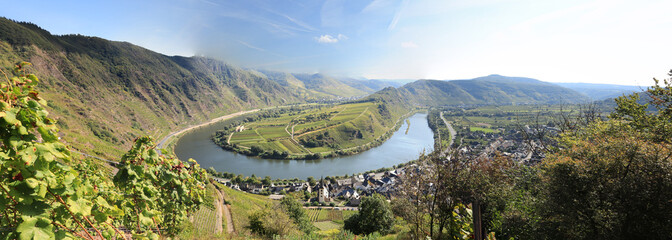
400 148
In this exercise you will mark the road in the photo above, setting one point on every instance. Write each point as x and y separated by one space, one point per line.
452 131
165 139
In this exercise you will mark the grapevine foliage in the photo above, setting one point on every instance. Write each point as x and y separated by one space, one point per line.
45 194
158 190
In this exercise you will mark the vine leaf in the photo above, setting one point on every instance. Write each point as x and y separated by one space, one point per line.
35 228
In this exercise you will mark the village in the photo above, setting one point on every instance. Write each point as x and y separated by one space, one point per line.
332 192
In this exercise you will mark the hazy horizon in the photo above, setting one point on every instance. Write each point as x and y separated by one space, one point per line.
609 42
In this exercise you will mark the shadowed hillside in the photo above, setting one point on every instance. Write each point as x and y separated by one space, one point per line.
105 94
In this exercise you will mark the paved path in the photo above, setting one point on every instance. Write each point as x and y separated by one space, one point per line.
452 131
163 141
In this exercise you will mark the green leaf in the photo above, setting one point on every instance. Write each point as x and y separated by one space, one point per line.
23 130
100 216
79 206
34 209
35 228
32 182
64 235
115 212
46 134
10 118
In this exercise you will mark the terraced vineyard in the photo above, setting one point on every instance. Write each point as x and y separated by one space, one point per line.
313 214
313 132
205 218
326 219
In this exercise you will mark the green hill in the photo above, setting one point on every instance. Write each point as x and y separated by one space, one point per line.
105 93
493 89
329 85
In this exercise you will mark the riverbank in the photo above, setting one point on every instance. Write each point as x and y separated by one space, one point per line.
165 140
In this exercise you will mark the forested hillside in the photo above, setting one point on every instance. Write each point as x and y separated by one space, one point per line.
104 94
493 89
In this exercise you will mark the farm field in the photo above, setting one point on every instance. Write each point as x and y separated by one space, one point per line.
317 130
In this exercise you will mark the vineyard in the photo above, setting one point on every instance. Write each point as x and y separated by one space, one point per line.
326 219
205 219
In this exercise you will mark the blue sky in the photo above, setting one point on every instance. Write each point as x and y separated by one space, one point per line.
620 42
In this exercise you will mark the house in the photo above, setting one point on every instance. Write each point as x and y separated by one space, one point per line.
323 194
347 193
344 182
277 189
355 201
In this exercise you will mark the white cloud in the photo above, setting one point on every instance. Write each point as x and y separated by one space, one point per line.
327 39
251 46
331 39
409 44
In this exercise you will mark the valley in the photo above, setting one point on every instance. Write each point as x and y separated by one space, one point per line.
341 157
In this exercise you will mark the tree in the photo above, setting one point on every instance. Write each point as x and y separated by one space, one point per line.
256 150
311 181
296 212
375 215
270 222
266 181
611 180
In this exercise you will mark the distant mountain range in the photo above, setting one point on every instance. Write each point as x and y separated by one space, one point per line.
601 91
492 89
105 93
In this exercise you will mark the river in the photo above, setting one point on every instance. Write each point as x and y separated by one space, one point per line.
400 148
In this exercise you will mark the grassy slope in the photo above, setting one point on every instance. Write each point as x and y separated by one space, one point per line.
105 94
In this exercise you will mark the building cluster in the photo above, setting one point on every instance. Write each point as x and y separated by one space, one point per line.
349 190
525 145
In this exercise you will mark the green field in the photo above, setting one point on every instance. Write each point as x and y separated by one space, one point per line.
322 129
485 130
